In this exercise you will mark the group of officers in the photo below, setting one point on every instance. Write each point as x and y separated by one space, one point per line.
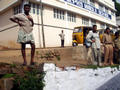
110 46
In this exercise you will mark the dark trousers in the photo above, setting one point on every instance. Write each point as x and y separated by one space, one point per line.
117 56
62 43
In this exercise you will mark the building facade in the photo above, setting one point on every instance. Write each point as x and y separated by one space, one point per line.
57 15
118 22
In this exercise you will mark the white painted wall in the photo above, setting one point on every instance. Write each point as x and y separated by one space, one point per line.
80 79
118 20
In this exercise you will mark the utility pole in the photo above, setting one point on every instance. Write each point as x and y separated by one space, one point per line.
41 11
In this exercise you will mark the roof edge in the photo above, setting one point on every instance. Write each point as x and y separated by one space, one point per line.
4 8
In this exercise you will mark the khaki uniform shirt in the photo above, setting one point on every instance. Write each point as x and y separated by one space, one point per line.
26 24
107 39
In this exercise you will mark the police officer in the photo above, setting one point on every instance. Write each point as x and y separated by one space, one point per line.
108 47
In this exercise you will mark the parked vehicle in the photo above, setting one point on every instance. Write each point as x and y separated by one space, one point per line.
79 34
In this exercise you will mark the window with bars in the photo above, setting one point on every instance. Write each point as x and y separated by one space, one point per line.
38 9
93 22
112 13
92 3
102 26
71 17
85 21
17 9
114 29
101 7
106 9
59 14
85 1
35 8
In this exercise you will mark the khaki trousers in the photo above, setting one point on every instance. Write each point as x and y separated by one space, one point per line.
108 55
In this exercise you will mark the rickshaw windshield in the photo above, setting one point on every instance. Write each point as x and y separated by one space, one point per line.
77 30
101 31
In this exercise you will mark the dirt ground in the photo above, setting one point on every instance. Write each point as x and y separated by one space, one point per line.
60 56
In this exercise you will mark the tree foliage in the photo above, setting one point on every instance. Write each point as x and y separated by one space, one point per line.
117 7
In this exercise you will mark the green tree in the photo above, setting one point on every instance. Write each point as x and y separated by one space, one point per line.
117 7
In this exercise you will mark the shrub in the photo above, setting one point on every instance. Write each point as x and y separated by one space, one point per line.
32 80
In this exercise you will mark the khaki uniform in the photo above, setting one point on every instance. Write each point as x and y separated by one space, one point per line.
117 49
108 48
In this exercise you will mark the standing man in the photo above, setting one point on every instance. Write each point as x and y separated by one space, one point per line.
93 37
62 36
108 47
25 36
117 47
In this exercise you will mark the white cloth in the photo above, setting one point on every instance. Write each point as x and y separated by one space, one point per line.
94 36
26 23
25 37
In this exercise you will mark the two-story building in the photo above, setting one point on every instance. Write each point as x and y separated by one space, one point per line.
57 15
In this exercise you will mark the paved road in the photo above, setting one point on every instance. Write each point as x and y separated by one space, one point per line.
112 84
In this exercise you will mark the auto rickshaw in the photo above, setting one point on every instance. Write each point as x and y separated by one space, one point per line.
79 34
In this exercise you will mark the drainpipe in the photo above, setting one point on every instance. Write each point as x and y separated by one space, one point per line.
39 31
41 9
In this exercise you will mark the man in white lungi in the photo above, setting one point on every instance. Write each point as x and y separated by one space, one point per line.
25 36
93 37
